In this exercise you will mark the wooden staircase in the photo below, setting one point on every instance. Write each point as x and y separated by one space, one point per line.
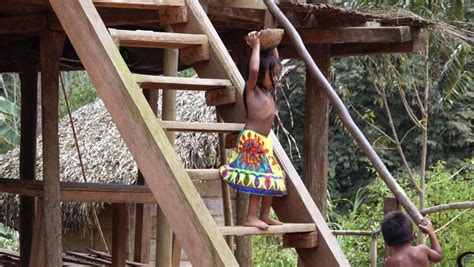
169 182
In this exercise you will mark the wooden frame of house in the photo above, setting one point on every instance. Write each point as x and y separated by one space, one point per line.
54 35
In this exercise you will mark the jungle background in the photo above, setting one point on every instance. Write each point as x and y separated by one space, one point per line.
416 109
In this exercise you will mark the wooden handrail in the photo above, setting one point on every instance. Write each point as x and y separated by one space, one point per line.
341 110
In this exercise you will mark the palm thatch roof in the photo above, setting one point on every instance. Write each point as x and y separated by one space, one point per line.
105 156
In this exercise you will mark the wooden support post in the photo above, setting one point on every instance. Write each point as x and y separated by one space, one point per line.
316 124
373 250
243 251
143 211
164 235
28 67
389 204
119 234
52 44
37 258
226 201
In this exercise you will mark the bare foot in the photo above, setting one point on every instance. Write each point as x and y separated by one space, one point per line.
254 222
270 221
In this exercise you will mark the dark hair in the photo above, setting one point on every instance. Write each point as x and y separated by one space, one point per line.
267 62
397 228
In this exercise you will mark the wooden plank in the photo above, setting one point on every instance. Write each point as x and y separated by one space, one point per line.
179 126
119 234
248 4
152 39
173 15
366 35
22 24
179 83
221 96
145 139
138 4
204 174
143 224
300 240
51 44
28 67
272 229
316 129
194 54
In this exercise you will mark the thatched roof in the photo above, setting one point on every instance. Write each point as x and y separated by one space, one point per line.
105 156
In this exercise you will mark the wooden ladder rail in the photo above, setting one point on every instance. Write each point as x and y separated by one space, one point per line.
298 206
143 135
344 115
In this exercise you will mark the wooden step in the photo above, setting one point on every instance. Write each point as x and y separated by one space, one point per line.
272 230
139 4
179 126
151 39
193 47
180 83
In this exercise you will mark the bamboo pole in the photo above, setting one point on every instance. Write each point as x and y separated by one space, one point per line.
451 206
225 190
373 250
344 115
164 234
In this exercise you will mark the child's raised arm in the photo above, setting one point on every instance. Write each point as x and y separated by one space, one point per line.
275 53
435 254
253 41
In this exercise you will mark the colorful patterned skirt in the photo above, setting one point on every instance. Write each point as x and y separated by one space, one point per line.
252 168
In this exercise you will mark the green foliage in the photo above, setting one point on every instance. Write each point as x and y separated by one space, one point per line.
9 238
9 115
268 251
79 89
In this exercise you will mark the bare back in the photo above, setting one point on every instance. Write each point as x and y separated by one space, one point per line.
261 108
408 257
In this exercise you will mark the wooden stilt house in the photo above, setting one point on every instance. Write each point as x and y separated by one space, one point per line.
120 44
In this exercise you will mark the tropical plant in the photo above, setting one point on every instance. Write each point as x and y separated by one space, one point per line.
9 112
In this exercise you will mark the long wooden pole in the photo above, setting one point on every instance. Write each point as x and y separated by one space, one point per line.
344 115
29 112
51 50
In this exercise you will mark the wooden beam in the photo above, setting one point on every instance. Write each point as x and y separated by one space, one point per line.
120 216
179 83
52 44
272 230
29 112
138 4
316 131
248 4
221 96
22 24
179 126
146 140
381 34
300 240
173 15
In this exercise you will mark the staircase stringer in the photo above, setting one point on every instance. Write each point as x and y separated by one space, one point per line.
146 140
298 206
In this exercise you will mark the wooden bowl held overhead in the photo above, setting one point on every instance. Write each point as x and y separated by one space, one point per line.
270 38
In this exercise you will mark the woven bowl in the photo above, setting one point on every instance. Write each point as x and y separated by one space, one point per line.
270 38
